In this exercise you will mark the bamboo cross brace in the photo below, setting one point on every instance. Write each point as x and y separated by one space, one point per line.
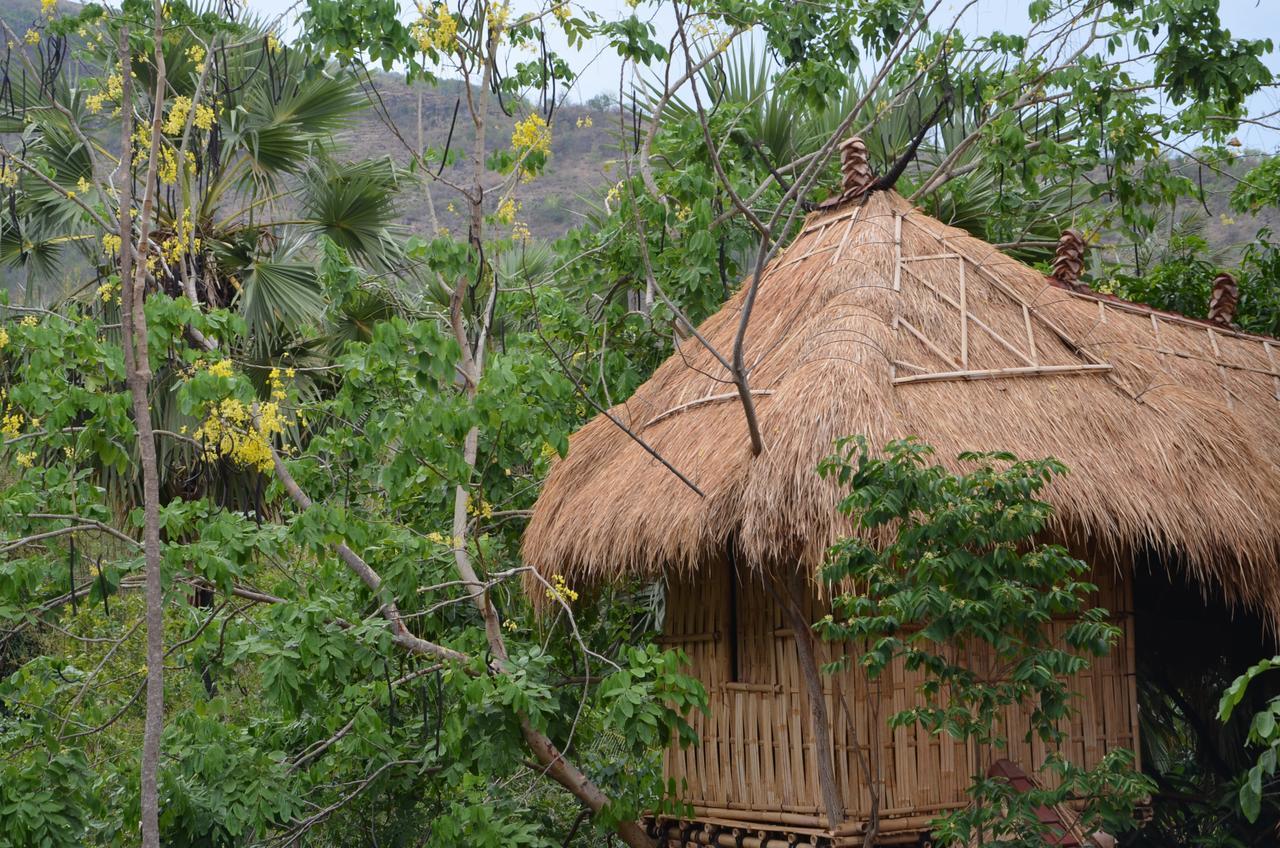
945 357
964 319
699 402
897 251
844 239
1222 371
1031 336
1155 331
1001 373
1065 337
1005 343
1271 357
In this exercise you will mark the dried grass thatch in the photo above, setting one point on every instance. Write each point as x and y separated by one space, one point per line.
1169 425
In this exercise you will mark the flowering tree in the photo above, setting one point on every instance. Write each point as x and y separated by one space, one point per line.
270 457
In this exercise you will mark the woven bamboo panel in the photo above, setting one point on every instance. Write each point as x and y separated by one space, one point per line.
757 754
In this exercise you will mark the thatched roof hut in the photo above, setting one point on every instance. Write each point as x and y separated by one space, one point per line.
880 320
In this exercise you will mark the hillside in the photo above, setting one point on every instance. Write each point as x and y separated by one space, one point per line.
584 143
584 148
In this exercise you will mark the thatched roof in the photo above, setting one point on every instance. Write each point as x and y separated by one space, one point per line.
1169 425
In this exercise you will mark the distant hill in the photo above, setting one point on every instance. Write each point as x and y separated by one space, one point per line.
584 144
584 148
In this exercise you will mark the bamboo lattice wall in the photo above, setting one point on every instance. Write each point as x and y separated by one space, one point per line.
756 761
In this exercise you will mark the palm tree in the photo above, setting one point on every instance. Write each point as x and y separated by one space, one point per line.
776 124
252 184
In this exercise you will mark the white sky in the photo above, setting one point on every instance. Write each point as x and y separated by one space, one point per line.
598 67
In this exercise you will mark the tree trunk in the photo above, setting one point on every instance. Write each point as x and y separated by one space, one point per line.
138 376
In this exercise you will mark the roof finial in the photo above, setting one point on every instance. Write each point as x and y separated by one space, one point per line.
1224 300
1068 261
855 167
856 176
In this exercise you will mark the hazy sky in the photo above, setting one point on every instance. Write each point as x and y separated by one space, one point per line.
599 67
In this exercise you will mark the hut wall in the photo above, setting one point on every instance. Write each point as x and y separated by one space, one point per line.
756 759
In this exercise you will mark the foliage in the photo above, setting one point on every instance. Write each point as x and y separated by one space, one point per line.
417 386
1264 731
950 586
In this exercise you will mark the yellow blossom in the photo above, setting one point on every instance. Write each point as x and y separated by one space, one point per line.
83 186
177 119
510 625
273 43
11 425
506 212
584 122
532 134
520 232
32 37
29 321
47 7
4 337
221 368
561 11
111 243
498 16
109 292
8 178
436 30
26 459
195 53
559 590
231 430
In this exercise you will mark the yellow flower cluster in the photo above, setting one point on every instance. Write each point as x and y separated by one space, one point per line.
221 368
615 194
167 170
559 591
109 292
32 37
111 243
29 321
277 385
435 30
532 134
273 43
196 54
498 16
177 120
4 338
111 93
584 122
506 212
520 232
11 425
26 459
229 430
47 7
481 508
442 539
176 246
8 178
